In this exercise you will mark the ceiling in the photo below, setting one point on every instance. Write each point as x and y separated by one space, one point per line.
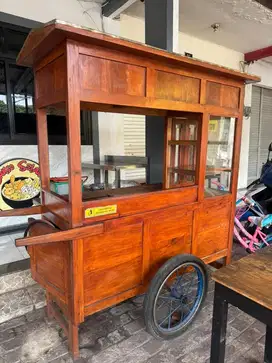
245 25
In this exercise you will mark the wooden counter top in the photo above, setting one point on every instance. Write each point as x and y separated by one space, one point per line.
251 277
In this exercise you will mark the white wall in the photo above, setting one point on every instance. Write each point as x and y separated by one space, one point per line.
44 11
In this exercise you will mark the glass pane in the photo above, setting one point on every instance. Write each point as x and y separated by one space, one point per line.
4 121
21 83
219 155
183 129
183 152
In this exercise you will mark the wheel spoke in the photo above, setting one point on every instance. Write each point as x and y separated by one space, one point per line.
171 298
170 314
162 304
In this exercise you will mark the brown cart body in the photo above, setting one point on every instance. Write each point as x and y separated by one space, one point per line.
87 264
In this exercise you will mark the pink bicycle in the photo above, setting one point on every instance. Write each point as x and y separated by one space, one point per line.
248 210
259 238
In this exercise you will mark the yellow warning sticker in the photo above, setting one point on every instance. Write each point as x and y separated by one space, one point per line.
100 211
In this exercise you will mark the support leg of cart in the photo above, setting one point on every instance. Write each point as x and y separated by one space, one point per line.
73 340
49 306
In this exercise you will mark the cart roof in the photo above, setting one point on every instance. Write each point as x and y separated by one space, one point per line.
43 40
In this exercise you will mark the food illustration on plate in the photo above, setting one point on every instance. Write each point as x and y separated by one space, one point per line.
19 183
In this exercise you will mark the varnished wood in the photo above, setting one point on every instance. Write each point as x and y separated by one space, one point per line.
37 209
88 264
154 65
73 339
167 153
57 205
102 304
250 276
73 134
49 308
51 83
43 148
203 156
134 204
212 232
76 281
63 236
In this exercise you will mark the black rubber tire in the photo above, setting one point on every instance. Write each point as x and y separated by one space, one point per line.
154 286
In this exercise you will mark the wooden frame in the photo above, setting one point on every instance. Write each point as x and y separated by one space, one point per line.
90 70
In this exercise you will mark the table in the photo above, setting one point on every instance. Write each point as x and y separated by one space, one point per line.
105 167
246 284
117 163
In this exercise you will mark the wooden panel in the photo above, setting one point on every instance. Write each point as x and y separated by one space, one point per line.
230 97
51 83
113 262
109 282
57 205
113 300
132 204
170 234
124 244
170 86
126 79
51 264
213 93
111 76
213 240
93 73
211 227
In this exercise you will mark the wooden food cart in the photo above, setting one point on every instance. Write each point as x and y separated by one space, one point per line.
92 250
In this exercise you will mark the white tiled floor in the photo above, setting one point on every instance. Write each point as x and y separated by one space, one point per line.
9 252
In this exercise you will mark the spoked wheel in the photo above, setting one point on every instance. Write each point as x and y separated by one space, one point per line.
175 296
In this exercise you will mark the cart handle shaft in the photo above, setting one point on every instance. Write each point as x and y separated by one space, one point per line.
62 236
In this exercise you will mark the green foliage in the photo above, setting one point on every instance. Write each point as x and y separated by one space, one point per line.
3 107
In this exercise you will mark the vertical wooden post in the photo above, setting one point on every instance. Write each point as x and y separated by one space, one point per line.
167 153
73 133
203 147
43 149
76 298
235 169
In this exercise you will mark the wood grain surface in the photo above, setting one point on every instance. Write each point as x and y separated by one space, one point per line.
251 277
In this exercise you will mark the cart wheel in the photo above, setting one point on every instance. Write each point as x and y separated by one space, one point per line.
175 296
